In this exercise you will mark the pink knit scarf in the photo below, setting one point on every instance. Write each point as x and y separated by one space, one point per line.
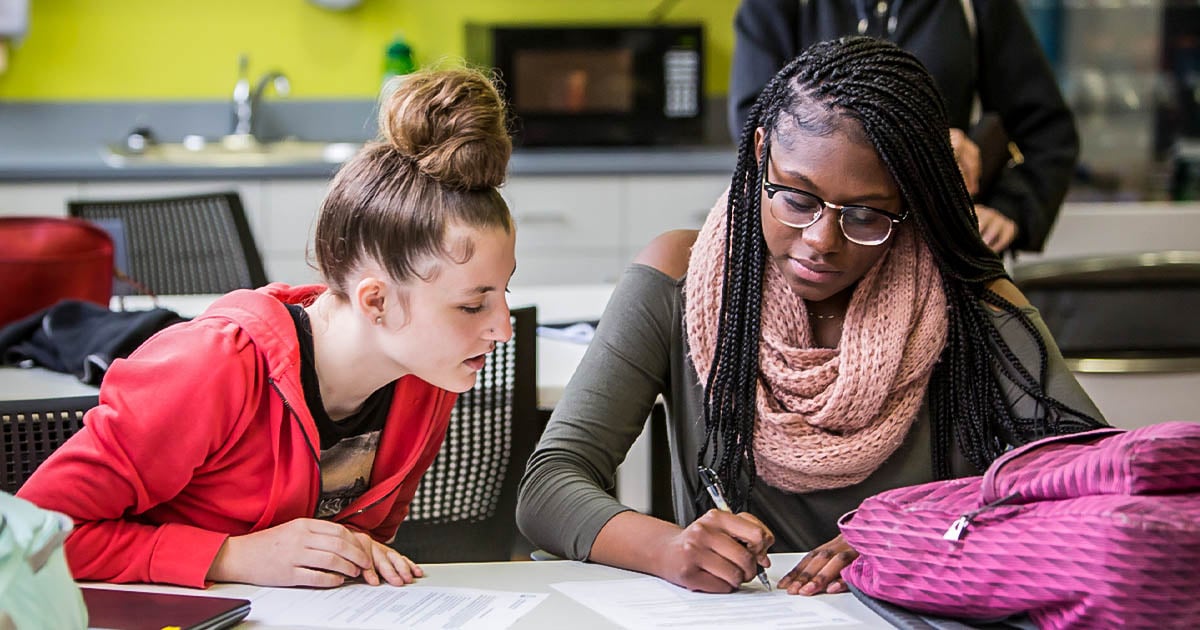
829 417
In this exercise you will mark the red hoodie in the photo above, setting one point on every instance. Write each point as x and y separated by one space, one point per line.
203 433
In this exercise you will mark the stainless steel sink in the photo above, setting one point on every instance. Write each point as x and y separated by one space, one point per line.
230 151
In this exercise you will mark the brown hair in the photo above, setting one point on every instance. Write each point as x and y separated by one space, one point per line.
443 150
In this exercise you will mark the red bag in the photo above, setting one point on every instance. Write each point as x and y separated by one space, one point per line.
46 259
1092 530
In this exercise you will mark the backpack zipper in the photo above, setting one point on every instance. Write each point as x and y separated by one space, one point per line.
955 532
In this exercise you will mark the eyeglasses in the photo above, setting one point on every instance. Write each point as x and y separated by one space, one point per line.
800 209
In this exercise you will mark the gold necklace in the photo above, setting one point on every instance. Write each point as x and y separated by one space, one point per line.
824 316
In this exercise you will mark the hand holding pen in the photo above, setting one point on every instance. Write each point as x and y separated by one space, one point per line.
713 485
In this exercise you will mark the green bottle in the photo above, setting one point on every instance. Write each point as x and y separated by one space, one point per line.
397 62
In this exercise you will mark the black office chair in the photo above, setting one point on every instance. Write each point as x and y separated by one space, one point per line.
192 244
30 430
465 507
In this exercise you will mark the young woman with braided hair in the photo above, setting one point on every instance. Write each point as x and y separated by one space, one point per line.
837 328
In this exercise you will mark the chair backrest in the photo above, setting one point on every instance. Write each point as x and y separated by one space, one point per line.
192 244
30 430
464 509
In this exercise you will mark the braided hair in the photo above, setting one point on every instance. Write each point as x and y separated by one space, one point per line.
894 99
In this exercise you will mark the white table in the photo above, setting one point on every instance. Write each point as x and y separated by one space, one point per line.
558 610
22 384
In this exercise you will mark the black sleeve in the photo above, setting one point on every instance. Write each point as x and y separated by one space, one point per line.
764 40
1016 81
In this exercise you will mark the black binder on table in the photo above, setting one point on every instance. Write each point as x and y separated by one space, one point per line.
138 610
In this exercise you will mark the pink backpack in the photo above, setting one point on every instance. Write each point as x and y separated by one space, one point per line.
1092 530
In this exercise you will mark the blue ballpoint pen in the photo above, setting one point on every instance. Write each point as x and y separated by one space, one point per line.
713 485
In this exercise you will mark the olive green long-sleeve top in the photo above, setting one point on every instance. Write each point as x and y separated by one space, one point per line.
639 353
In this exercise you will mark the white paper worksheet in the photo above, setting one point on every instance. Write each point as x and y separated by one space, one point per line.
651 603
361 606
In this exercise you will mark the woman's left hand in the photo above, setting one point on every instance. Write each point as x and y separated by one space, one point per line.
997 230
389 565
966 155
820 570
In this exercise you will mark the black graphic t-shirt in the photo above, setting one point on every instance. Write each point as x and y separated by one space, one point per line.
348 446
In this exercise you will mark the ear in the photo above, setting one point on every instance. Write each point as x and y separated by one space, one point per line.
370 297
759 137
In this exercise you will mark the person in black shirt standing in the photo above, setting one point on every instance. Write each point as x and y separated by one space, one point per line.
983 48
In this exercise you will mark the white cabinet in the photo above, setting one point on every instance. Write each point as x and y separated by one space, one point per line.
567 212
565 267
568 228
658 203
288 225
586 229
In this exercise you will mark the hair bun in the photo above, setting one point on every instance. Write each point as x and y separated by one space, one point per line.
453 124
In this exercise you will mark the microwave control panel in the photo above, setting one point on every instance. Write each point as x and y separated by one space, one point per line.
681 71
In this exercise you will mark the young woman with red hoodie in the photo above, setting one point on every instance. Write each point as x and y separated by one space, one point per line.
278 438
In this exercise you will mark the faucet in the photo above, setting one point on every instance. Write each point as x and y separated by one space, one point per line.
245 100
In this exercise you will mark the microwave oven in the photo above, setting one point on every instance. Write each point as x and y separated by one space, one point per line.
597 85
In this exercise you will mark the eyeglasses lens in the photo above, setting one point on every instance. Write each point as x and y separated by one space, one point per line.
860 225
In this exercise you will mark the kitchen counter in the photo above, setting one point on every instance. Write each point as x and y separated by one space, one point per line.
47 142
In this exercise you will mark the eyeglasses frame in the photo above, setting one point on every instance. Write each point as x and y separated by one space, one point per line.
772 189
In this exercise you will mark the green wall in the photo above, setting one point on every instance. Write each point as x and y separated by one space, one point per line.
97 50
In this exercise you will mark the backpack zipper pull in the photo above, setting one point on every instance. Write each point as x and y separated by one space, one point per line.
956 529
